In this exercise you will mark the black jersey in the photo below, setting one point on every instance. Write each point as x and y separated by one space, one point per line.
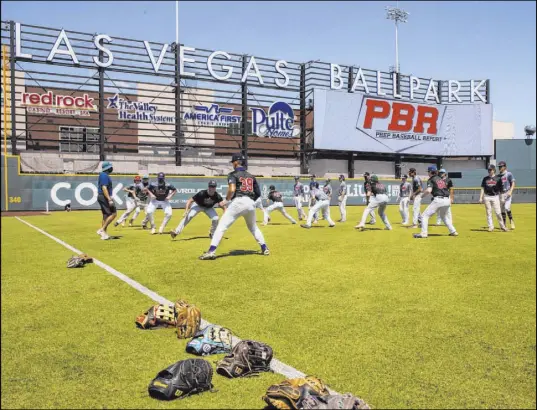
131 187
275 196
439 186
367 186
203 199
377 188
245 184
161 191
492 185
141 192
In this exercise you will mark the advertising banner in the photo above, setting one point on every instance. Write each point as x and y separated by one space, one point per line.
356 122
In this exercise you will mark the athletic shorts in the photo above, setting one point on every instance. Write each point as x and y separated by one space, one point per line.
106 208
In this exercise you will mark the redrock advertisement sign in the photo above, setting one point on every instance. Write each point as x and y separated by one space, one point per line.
50 103
355 122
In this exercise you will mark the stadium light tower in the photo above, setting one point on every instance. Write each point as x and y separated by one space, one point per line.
399 16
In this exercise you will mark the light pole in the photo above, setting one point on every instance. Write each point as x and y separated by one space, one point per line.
399 16
177 23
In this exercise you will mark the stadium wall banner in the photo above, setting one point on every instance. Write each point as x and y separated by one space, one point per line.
355 122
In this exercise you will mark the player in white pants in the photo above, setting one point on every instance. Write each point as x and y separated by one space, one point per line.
367 187
404 199
508 185
277 204
298 198
441 203
444 175
131 200
160 194
243 190
342 198
377 199
322 203
203 201
491 188
417 194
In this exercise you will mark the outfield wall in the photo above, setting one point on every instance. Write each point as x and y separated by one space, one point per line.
27 192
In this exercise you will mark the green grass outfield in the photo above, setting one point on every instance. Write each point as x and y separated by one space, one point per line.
438 323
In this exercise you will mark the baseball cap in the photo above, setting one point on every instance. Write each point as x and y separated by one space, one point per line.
491 166
442 171
146 176
412 170
212 183
106 165
405 176
272 188
502 164
374 178
432 168
312 176
237 157
297 177
366 174
161 175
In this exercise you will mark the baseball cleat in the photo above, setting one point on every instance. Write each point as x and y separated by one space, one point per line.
505 229
512 226
419 236
144 226
173 234
160 231
207 256
100 232
453 234
105 236
123 223
372 222
153 231
266 252
491 229
130 224
388 228
116 224
315 222
414 226
359 227
331 226
305 226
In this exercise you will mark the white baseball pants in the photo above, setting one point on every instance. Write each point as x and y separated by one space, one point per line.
141 205
192 212
404 205
242 206
277 206
152 207
505 203
492 203
343 208
298 206
416 209
259 203
380 202
440 205
324 207
131 204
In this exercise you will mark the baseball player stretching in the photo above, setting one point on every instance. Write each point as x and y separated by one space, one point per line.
441 203
160 194
143 198
417 194
322 203
491 188
379 200
131 201
367 188
311 203
203 201
342 198
444 175
277 204
404 199
508 185
298 197
243 190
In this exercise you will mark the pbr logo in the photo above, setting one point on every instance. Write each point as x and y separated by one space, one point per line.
279 122
399 121
213 116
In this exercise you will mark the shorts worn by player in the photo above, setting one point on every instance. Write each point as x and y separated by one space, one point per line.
491 188
378 199
160 194
441 203
322 204
245 191
298 198
277 204
204 201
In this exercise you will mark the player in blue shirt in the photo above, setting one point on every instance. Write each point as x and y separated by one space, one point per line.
104 198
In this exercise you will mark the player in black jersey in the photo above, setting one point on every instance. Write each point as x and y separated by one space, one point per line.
491 189
203 201
243 190
277 204
160 194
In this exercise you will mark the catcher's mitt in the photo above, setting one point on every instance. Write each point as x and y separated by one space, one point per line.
290 393
156 316
79 261
182 379
211 340
188 319
246 359
333 401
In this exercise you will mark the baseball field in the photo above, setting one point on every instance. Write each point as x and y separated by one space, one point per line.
443 322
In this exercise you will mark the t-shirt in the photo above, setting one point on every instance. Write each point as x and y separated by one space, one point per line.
104 180
404 189
319 194
492 185
141 192
245 183
203 199
507 181
377 188
161 191
367 186
416 184
449 183
275 196
439 186
342 188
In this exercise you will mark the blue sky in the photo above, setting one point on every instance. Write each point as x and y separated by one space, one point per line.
445 40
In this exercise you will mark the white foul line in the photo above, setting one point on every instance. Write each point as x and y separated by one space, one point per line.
275 365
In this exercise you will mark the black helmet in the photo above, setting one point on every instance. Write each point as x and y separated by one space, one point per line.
272 188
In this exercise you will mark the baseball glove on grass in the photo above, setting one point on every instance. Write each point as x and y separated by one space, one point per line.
290 393
156 316
79 261
211 340
188 319
333 401
182 379
246 359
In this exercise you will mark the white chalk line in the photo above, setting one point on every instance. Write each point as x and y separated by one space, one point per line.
275 365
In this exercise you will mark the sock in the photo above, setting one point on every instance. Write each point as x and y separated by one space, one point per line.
263 247
212 249
510 216
504 217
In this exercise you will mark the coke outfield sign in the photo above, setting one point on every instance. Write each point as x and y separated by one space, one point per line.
50 103
359 123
